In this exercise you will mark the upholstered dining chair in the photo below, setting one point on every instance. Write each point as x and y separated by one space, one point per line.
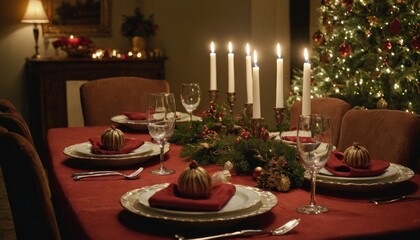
13 121
27 188
332 107
390 135
104 98
7 106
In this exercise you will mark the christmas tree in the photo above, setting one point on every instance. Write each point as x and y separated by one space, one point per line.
366 52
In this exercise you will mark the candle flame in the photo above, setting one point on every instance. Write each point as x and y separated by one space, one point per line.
248 49
305 53
278 50
212 47
230 47
71 36
255 58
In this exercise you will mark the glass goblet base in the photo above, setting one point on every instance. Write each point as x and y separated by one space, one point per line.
162 171
312 209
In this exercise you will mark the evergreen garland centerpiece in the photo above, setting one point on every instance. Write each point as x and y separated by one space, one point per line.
222 136
366 53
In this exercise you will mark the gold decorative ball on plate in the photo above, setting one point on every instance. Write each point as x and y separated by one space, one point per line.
112 139
357 156
194 182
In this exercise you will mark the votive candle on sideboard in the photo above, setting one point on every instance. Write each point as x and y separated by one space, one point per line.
306 91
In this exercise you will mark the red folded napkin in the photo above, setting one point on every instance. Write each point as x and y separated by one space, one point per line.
338 167
130 144
169 198
135 115
294 139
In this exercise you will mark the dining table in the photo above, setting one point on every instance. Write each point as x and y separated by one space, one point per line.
91 208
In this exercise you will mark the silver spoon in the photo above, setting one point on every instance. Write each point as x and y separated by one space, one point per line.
278 231
134 175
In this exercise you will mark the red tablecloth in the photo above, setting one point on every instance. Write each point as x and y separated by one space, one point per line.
90 209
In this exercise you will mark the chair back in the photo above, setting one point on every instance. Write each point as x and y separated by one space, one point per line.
389 135
333 107
7 106
14 122
27 188
104 98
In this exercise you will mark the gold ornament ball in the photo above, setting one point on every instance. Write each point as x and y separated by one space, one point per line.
381 104
257 172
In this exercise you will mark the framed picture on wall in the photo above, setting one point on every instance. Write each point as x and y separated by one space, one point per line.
90 18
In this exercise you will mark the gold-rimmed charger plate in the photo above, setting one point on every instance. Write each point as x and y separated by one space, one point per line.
131 202
402 174
120 160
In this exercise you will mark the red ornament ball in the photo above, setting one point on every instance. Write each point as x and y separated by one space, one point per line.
318 38
415 43
395 26
345 50
325 2
388 45
347 3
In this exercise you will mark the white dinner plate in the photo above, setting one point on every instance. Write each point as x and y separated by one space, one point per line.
402 174
86 150
243 199
142 124
389 172
293 133
130 201
120 160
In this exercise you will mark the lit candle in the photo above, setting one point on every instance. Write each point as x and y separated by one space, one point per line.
213 81
256 108
306 95
279 90
73 41
231 70
248 65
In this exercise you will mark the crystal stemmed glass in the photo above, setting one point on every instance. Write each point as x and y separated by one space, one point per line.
190 97
314 152
161 117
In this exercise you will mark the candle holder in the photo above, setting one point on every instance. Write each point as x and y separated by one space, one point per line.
279 115
257 124
231 97
213 95
248 110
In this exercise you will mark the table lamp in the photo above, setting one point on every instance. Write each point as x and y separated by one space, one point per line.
35 14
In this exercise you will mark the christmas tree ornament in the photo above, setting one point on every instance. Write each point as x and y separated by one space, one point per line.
381 104
372 20
112 139
325 58
318 38
347 3
415 42
345 50
194 182
388 45
395 26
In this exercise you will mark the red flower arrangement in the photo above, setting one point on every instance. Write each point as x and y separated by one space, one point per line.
75 46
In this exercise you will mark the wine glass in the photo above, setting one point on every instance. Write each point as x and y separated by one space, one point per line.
161 115
314 152
190 97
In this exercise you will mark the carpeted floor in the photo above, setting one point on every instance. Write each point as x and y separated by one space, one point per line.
7 230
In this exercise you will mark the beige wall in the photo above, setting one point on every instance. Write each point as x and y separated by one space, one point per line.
186 29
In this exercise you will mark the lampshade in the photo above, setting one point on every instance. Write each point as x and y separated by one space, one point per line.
35 13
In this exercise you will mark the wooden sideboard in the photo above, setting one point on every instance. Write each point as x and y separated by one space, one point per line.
46 80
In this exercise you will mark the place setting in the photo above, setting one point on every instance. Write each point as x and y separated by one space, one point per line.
211 203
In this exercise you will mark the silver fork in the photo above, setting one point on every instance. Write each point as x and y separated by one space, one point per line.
393 199
133 175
